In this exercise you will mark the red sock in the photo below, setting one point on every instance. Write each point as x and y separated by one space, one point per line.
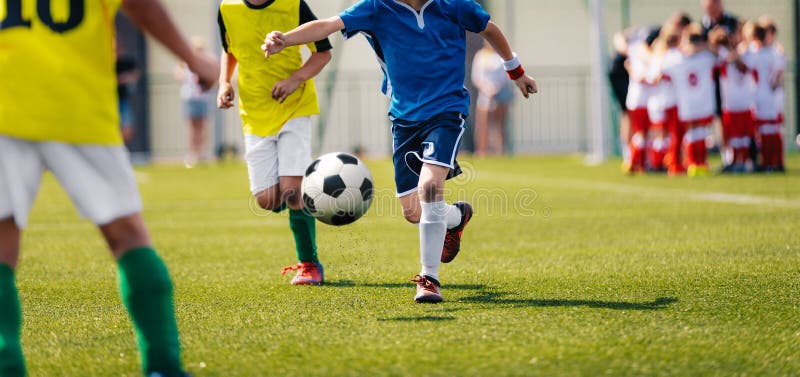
766 150
778 150
675 154
696 146
742 151
637 146
657 151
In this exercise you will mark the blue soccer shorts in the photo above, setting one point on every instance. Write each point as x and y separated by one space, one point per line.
434 141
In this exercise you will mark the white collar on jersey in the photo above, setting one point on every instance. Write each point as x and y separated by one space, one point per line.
419 15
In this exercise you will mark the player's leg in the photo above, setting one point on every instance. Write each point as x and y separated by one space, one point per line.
691 140
411 208
482 119
674 157
696 150
499 128
741 141
261 155
147 292
765 144
309 270
638 140
100 182
727 150
196 126
294 157
432 229
435 142
658 146
303 225
454 216
772 140
441 225
21 169
780 165
12 362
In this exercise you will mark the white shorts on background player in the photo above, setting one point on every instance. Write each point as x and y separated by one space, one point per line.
286 154
98 179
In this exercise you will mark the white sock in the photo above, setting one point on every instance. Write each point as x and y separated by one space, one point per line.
432 228
452 216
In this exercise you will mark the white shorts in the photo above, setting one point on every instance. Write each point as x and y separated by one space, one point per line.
286 154
98 179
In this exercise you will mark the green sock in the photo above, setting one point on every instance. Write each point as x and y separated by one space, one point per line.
147 294
304 228
12 363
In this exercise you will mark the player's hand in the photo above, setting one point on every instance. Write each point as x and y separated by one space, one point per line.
225 96
273 44
206 68
283 89
527 85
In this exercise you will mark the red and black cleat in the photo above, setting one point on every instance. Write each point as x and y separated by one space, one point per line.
452 240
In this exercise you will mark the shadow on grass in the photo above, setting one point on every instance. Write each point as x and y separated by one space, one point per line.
417 319
497 298
409 284
500 298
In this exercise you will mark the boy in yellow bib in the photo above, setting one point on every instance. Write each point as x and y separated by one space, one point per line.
276 101
58 112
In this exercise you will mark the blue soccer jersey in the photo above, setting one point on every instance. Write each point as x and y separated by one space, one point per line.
422 54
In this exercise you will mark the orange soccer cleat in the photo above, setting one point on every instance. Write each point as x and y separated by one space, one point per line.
308 273
427 290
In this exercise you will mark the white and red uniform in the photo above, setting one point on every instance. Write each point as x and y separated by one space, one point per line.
780 94
693 78
767 113
663 111
737 87
639 92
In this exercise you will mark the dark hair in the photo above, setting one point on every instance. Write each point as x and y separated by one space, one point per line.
652 36
681 18
698 38
759 33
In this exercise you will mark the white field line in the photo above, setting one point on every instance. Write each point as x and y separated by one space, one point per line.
648 192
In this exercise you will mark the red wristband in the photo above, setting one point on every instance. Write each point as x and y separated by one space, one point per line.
516 73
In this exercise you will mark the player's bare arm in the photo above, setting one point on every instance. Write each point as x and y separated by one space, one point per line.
152 17
305 33
283 89
526 84
226 94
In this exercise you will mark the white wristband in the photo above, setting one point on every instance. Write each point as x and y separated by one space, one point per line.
512 64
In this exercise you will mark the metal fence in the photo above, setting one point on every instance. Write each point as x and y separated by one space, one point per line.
555 121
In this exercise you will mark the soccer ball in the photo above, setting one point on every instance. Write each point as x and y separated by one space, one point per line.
337 189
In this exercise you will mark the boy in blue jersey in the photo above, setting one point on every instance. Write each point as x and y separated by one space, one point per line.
421 45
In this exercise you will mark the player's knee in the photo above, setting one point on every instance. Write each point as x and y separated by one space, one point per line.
292 198
429 191
126 234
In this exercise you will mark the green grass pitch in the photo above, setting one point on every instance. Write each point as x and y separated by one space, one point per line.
566 270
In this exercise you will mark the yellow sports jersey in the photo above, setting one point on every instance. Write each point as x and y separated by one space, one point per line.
57 71
243 27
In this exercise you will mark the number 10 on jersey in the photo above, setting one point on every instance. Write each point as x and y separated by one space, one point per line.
14 17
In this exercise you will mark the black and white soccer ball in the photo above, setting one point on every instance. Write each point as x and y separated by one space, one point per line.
337 189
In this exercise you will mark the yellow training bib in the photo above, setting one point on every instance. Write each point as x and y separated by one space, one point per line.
57 71
245 28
